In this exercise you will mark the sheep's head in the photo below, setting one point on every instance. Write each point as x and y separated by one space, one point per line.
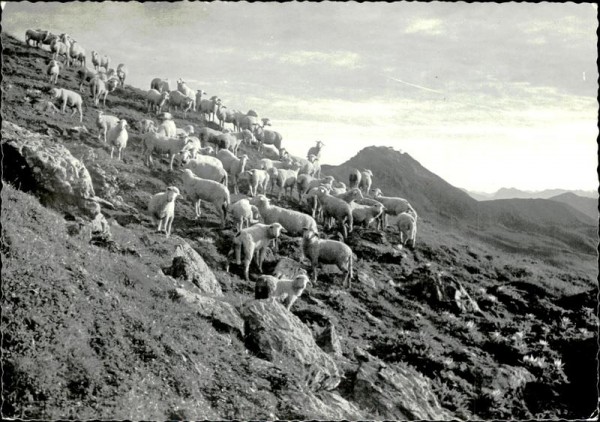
260 200
376 192
310 234
275 230
172 193
356 193
187 173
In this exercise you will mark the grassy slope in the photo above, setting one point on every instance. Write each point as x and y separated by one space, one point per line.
138 355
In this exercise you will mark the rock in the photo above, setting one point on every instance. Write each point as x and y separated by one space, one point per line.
377 250
288 268
275 334
329 341
324 405
190 266
36 163
394 391
219 312
366 279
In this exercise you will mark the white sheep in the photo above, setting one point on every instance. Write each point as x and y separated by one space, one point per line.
199 94
187 91
365 181
37 36
366 214
104 123
162 209
180 101
121 73
77 52
154 141
407 225
316 150
258 178
286 179
293 221
198 189
233 165
243 213
266 163
161 85
117 137
98 88
225 116
191 151
267 137
70 98
207 170
393 205
155 100
52 71
208 135
59 48
354 179
268 286
184 131
338 208
255 240
167 125
86 75
309 167
325 251
209 107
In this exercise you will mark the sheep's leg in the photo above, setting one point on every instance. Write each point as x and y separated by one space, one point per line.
261 258
169 224
112 149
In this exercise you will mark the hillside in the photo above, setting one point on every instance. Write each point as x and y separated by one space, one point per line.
512 193
136 326
588 206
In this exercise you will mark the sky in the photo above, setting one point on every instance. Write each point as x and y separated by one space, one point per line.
485 95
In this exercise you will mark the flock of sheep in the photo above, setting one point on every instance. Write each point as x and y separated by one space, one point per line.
210 163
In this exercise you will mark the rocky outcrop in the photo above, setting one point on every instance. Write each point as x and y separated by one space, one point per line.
394 391
275 334
36 163
324 405
190 266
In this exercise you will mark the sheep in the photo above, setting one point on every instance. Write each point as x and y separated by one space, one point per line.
375 205
98 88
105 123
232 141
366 181
187 91
325 181
121 74
366 214
286 179
338 208
117 137
255 239
317 168
161 85
36 36
181 101
308 168
77 52
248 122
167 125
52 70
233 165
59 48
154 141
50 38
70 98
266 164
354 179
225 116
326 251
293 221
339 189
393 206
243 212
287 290
147 125
316 150
302 182
209 107
156 100
267 137
207 170
407 225
208 135
270 152
199 189
162 209
192 150
258 178
105 62
86 75
95 59
199 94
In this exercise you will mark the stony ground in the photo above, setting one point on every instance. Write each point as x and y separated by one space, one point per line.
90 332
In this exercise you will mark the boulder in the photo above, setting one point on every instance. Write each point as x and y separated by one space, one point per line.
35 162
190 266
222 314
329 341
275 334
395 391
324 405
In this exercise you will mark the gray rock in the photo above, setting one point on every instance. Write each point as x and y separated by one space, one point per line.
275 334
329 341
324 405
190 266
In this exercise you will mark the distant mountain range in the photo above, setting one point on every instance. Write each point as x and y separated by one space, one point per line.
570 219
510 193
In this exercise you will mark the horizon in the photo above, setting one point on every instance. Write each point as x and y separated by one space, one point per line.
484 95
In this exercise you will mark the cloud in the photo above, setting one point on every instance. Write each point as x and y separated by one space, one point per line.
425 26
336 58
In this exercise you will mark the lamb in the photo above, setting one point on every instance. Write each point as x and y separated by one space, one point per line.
156 100
86 75
121 74
354 179
162 209
316 150
267 137
338 208
393 205
207 170
286 179
209 107
290 290
181 101
153 141
325 181
366 214
187 91
77 52
53 70
161 85
111 86
167 125
253 240
293 221
225 116
59 48
258 178
244 213
98 88
36 36
192 150
407 225
199 189
326 251
70 98
233 165
375 205
105 123
117 137
232 141
266 164
366 181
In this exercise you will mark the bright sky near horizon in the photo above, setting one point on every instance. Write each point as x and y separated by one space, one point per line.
485 95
